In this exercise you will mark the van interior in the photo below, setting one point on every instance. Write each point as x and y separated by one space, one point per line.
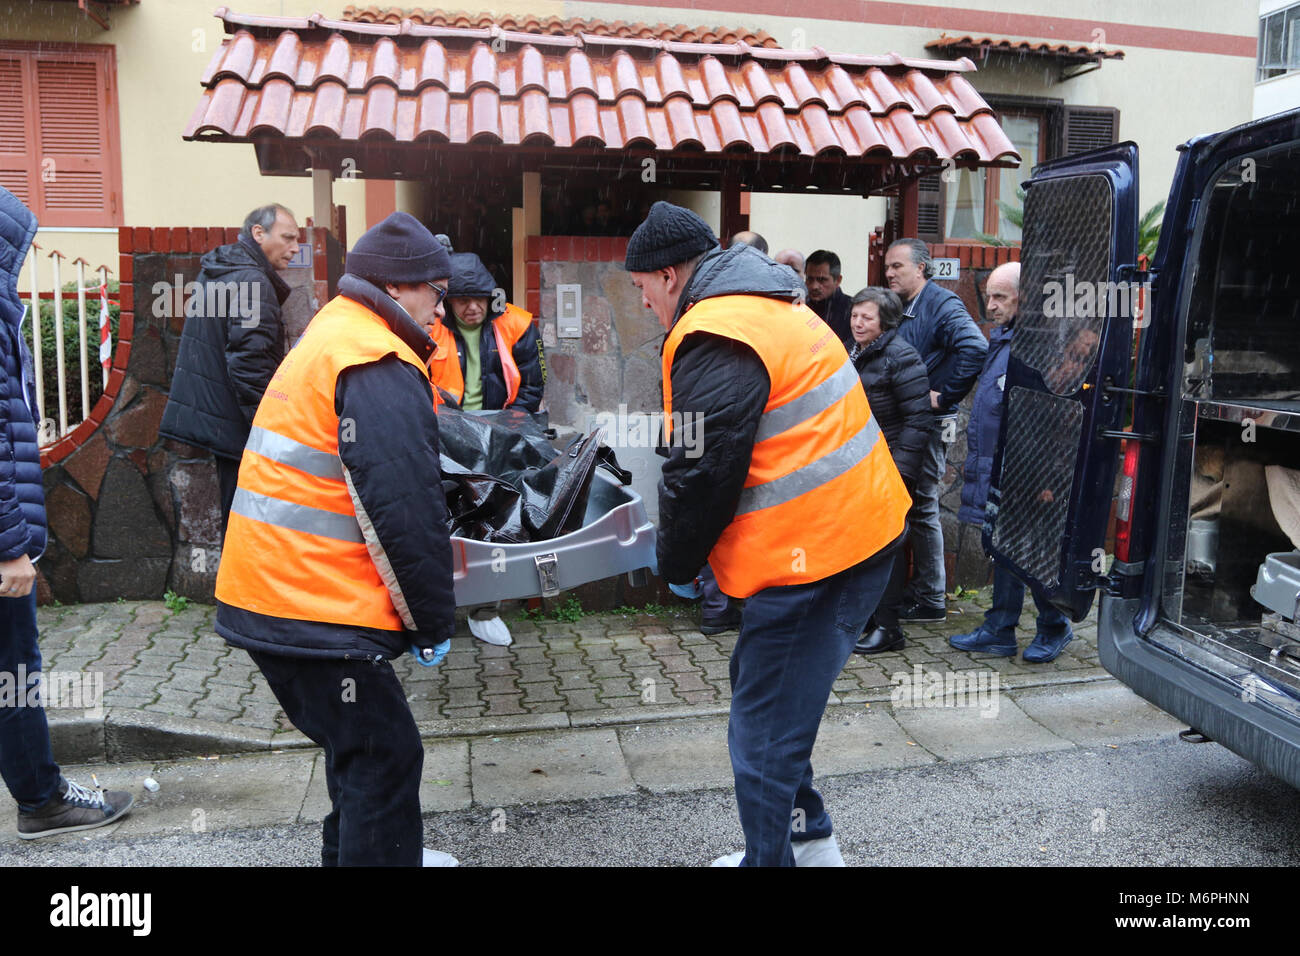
1232 569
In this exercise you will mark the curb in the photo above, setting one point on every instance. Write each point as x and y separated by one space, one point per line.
125 734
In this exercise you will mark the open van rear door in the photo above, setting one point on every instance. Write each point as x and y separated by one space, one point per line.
1051 490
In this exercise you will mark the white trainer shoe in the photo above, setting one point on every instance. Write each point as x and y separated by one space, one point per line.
493 630
438 858
823 852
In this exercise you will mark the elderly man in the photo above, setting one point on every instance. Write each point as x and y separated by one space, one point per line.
339 554
792 258
825 297
791 458
937 325
750 238
997 633
225 360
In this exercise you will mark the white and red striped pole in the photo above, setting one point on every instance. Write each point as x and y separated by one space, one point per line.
105 336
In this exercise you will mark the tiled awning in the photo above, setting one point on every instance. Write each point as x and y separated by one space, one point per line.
557 26
980 47
320 82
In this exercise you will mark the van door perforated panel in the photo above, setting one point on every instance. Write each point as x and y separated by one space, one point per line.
1065 288
1042 442
1065 298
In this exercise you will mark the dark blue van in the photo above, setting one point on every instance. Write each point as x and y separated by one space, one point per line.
1159 409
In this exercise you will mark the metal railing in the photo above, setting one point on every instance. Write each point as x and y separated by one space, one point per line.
50 431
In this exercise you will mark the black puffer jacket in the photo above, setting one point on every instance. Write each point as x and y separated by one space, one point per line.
836 311
899 393
469 277
226 360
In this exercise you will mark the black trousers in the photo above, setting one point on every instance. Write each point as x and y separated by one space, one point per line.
357 712
227 481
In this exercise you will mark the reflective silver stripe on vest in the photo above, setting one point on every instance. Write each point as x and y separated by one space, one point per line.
826 468
295 454
295 517
810 403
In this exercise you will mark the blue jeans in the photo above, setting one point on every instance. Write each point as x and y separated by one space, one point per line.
26 761
793 643
713 604
928 578
1009 600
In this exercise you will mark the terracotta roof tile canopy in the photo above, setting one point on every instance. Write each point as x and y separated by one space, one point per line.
319 83
557 26
982 46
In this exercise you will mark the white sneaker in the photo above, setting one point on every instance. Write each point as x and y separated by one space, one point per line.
823 852
492 630
731 859
438 858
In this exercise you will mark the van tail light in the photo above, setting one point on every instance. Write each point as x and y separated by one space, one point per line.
1124 507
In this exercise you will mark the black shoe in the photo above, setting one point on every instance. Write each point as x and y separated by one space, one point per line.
919 613
730 621
879 640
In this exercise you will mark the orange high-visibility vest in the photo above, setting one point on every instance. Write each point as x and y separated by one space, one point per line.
822 493
294 547
508 327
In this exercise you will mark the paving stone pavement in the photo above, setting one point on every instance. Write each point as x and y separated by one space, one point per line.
605 668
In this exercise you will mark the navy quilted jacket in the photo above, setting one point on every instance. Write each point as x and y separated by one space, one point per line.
22 499
985 425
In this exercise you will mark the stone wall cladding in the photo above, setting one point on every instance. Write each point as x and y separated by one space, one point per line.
132 515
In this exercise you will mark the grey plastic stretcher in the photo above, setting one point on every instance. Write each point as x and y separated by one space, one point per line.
1277 584
616 537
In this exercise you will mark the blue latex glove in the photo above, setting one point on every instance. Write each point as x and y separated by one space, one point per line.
690 592
431 656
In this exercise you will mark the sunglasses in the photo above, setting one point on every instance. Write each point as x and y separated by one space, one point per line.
438 290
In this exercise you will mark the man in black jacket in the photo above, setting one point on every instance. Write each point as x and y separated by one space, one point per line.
822 276
937 325
232 343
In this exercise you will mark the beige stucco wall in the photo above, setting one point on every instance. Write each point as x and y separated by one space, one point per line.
163 48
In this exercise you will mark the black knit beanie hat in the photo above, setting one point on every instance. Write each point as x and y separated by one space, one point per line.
399 249
669 235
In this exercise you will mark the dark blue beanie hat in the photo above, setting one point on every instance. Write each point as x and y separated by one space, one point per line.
399 249
669 235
